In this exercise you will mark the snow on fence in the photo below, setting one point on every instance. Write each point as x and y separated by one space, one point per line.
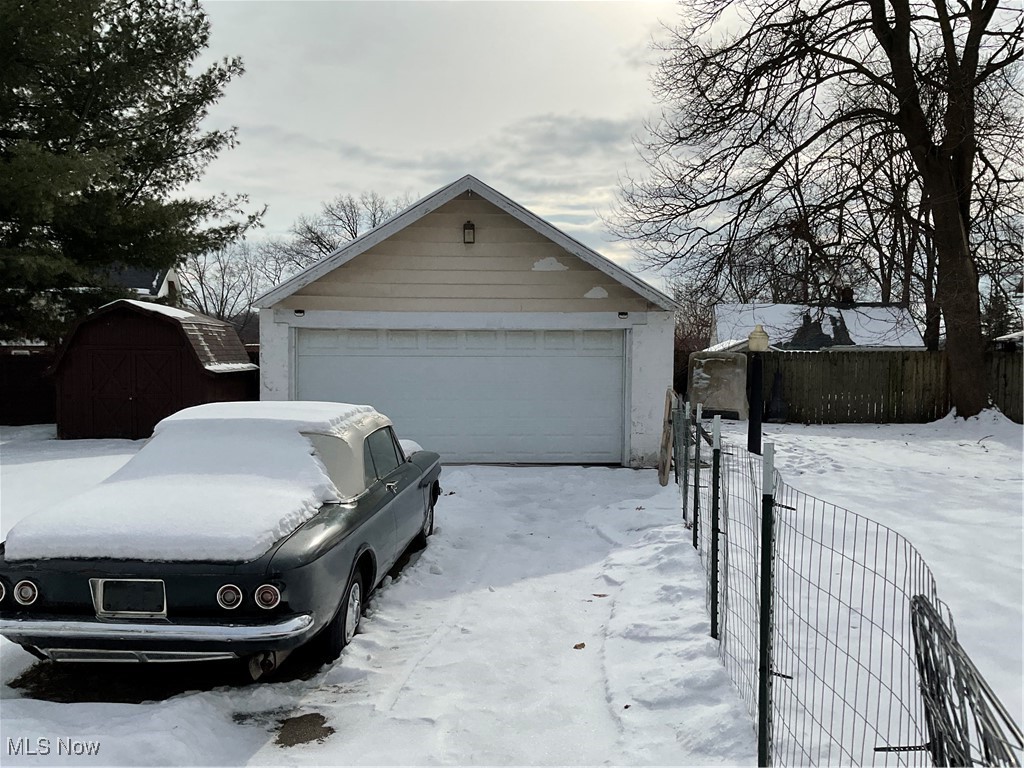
860 663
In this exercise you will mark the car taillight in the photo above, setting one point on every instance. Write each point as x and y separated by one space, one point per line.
268 596
229 597
3 591
25 592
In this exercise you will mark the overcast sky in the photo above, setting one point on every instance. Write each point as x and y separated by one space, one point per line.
540 100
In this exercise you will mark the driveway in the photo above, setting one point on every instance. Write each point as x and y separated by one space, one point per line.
557 617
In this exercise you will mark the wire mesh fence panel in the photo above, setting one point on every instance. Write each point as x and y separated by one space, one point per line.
845 679
740 569
852 628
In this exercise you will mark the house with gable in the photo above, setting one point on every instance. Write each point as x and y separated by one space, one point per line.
483 331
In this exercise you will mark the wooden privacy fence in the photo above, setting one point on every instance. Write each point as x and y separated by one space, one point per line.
1006 383
27 393
834 387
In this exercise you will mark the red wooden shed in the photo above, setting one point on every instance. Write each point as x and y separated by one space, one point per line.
131 363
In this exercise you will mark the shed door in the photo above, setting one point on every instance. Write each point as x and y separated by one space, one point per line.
479 396
131 390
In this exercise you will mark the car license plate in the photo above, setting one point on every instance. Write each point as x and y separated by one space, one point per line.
128 596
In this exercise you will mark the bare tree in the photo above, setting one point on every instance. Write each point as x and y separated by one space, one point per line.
758 88
222 283
339 220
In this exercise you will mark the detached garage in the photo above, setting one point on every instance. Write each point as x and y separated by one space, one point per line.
484 332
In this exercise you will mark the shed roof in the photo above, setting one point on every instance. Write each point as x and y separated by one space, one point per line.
799 326
435 200
215 342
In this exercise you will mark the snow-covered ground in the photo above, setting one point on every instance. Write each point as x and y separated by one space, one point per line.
953 488
470 656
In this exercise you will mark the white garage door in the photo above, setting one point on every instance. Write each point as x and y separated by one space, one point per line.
479 396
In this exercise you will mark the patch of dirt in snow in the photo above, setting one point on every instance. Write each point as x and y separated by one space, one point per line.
302 729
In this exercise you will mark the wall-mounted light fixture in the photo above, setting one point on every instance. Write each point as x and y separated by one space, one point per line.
623 315
299 312
468 233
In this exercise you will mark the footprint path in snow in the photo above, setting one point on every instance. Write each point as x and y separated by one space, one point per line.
659 657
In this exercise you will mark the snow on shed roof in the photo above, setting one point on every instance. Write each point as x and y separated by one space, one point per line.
214 341
218 482
866 325
434 201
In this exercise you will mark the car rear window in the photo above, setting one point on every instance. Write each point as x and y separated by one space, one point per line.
382 448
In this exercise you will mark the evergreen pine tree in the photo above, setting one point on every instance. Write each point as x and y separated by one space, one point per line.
100 112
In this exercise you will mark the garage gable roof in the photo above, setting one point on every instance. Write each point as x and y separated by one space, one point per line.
434 201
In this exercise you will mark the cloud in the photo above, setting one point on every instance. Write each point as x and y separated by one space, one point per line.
404 98
295 142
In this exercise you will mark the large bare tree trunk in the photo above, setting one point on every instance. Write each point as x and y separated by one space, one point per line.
959 297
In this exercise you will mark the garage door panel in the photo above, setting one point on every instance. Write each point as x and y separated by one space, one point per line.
502 396
385 343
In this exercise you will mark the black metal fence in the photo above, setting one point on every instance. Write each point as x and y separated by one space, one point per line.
852 659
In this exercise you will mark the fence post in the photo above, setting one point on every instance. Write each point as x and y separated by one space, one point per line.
716 478
677 410
765 597
696 473
686 457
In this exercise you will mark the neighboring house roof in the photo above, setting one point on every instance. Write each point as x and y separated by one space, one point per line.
434 201
729 345
143 281
797 326
216 344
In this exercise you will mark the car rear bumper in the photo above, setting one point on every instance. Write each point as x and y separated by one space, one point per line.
91 640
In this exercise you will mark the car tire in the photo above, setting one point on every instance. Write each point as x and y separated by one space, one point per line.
345 624
420 542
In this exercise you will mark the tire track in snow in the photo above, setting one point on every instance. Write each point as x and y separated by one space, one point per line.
433 639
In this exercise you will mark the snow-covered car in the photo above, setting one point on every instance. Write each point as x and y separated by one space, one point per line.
239 530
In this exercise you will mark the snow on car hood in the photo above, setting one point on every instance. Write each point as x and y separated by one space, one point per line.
213 485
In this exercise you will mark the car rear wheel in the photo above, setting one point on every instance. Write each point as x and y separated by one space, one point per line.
427 530
345 624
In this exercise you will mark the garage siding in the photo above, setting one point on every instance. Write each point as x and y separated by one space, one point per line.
426 267
479 396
